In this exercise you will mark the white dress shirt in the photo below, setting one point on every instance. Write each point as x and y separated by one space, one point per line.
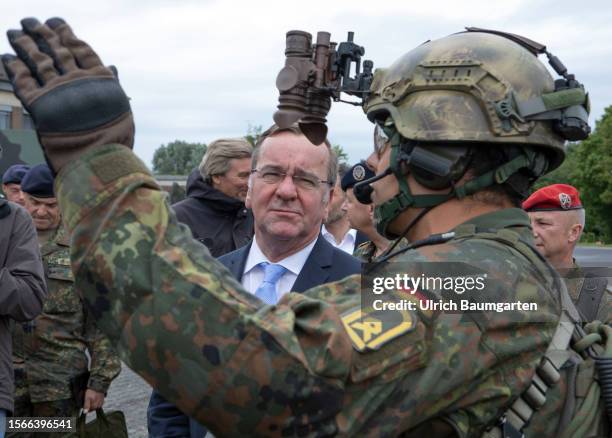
348 241
254 274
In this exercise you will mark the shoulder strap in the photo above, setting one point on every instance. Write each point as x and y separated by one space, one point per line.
590 295
518 415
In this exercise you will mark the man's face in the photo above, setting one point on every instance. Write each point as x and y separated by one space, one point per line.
288 209
554 232
13 193
335 206
234 183
359 215
44 211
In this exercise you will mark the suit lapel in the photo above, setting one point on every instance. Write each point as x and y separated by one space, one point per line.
235 263
316 268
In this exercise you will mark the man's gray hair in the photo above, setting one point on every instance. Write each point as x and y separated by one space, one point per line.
216 160
332 164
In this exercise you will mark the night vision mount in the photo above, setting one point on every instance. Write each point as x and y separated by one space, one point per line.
313 75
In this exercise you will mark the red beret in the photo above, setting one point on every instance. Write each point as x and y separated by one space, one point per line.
556 197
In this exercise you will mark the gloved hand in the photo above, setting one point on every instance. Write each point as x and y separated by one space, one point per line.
75 101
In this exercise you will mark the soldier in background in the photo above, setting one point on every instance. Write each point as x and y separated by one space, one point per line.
360 215
51 366
11 183
558 220
321 363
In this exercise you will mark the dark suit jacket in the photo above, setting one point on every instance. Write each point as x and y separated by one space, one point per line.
324 264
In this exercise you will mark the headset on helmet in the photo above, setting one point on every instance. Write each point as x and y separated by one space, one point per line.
479 88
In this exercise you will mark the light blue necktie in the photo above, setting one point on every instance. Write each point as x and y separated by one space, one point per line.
267 290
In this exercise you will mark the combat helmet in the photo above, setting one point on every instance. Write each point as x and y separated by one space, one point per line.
478 88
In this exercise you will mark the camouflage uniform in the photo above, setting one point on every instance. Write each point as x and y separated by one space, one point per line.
184 324
317 363
50 351
365 251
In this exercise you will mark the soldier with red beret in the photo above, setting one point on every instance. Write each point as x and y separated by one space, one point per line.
558 219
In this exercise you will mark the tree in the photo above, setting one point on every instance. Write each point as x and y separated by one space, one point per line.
592 175
178 157
253 134
342 156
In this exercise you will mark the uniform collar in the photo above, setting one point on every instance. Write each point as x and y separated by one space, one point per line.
59 239
491 222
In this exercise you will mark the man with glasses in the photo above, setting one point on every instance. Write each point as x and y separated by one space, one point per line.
472 120
289 192
290 189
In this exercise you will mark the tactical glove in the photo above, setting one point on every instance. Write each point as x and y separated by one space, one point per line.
75 101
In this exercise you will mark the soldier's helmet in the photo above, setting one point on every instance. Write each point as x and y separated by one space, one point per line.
441 103
475 87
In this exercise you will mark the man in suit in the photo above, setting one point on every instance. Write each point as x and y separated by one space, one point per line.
337 229
290 190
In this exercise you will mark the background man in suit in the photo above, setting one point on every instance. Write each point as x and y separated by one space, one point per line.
290 189
337 229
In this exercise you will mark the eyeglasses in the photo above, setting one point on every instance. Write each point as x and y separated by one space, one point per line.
274 176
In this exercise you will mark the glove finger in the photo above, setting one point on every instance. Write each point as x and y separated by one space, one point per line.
20 76
49 43
40 64
84 55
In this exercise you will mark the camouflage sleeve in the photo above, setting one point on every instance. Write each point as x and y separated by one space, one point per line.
105 364
311 365
179 319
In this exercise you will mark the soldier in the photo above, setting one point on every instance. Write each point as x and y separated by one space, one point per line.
51 369
360 215
558 220
11 183
319 363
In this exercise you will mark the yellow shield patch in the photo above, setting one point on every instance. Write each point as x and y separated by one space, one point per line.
370 329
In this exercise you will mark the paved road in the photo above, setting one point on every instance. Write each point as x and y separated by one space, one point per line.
130 394
594 256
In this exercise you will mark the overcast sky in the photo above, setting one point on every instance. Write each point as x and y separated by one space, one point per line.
198 70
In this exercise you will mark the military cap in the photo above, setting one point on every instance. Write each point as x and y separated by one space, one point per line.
359 172
15 174
38 182
556 197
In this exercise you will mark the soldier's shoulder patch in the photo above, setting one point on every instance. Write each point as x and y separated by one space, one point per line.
369 329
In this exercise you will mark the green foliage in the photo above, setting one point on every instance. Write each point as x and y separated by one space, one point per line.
592 175
178 157
253 134
342 156
588 167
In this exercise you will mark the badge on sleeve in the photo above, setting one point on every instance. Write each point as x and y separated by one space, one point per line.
370 329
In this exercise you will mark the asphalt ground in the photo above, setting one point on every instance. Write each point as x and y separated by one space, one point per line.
130 394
